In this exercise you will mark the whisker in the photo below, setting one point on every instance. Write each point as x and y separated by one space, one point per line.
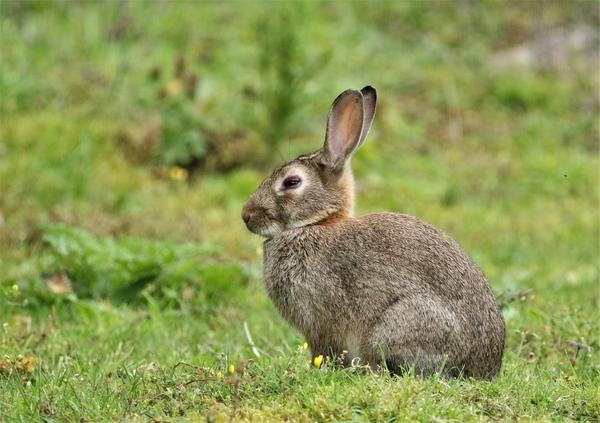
281 156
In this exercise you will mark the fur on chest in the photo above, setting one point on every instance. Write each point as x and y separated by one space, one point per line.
297 283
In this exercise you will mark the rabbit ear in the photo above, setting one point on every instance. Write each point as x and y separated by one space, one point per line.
369 94
344 127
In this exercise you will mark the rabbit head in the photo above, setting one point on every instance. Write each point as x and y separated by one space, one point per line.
318 186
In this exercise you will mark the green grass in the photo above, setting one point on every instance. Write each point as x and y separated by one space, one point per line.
125 283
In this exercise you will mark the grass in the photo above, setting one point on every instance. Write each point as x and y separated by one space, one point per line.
126 283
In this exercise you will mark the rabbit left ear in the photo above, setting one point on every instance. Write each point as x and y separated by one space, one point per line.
344 127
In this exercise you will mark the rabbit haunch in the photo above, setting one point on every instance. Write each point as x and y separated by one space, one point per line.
386 288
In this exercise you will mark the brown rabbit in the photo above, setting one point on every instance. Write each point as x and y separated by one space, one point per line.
386 288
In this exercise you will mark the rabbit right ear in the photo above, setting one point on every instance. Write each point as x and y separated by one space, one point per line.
369 94
344 127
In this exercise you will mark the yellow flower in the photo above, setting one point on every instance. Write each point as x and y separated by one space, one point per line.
173 88
15 287
231 369
305 345
219 375
178 174
259 251
318 361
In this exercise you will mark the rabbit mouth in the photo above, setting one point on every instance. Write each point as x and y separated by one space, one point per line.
267 227
271 231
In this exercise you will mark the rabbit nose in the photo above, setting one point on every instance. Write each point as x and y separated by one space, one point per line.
246 216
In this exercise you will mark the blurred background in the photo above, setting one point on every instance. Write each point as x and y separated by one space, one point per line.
132 132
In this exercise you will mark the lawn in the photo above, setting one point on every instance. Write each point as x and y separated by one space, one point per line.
131 135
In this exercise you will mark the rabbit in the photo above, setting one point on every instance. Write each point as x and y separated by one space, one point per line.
384 290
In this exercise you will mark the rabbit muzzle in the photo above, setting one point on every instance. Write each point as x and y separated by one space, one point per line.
259 221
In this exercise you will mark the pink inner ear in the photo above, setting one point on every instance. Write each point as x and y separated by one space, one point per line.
345 125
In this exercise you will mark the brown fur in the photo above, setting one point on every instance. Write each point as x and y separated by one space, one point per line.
388 288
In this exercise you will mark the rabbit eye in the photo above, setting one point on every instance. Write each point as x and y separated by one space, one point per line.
291 182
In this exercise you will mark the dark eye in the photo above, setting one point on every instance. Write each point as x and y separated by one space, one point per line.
291 182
